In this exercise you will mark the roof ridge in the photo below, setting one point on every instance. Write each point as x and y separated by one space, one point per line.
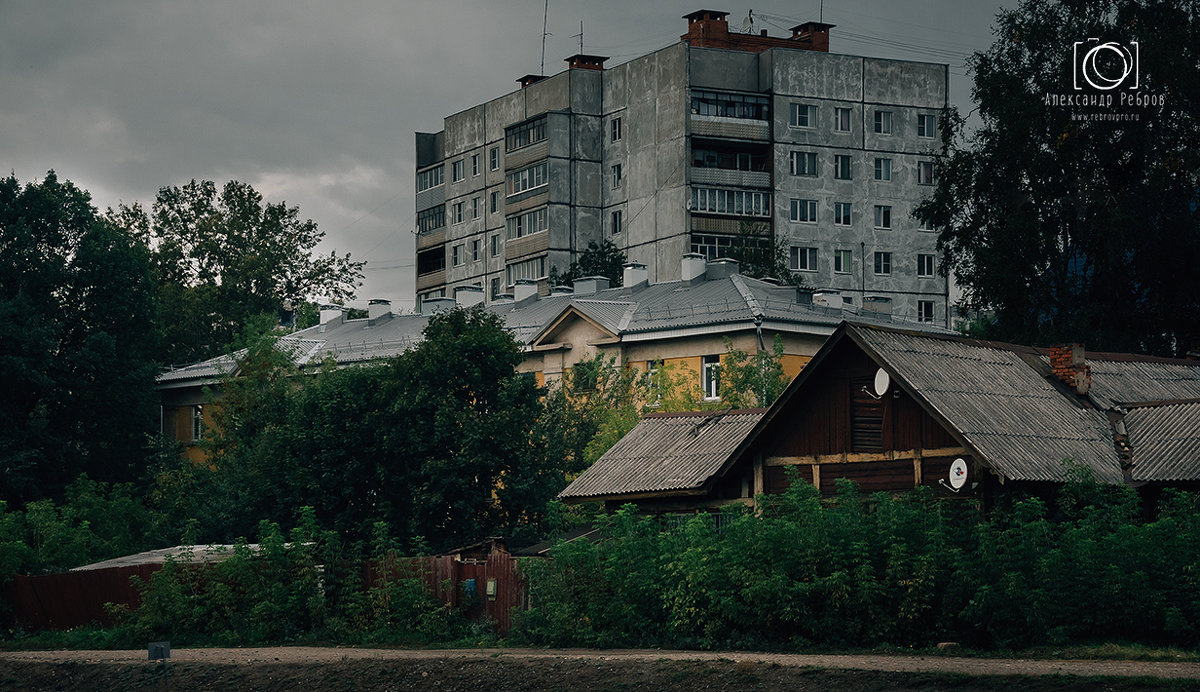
747 295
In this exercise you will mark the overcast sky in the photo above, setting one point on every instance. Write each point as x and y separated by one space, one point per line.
316 103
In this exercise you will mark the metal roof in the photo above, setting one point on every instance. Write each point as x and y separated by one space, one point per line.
1165 439
666 453
1010 413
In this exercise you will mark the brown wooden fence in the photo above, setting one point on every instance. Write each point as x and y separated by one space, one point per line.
75 599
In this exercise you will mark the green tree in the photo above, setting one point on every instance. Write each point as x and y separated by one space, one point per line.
1061 227
222 257
79 376
761 256
599 259
752 381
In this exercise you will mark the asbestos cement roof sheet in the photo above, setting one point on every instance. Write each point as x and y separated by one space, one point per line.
665 453
1165 440
1024 426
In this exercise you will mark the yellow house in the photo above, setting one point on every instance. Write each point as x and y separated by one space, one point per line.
638 324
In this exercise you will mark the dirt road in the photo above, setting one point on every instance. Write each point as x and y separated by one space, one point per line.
302 668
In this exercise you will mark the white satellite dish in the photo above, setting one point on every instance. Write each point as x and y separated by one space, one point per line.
958 473
748 23
882 382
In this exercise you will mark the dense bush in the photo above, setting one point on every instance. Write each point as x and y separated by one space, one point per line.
907 570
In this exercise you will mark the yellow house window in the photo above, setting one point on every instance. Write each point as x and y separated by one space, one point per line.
197 423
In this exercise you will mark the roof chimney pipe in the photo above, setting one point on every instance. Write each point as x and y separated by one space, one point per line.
590 285
525 289
635 274
1069 365
692 266
467 296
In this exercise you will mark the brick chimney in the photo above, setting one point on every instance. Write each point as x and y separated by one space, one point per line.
707 29
812 35
530 79
586 62
710 29
1069 365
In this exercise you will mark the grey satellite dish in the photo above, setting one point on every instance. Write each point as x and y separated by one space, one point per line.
882 382
748 23
958 474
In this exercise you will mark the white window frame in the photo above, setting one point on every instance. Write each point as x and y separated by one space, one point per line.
803 259
616 176
841 119
197 422
883 168
843 167
926 266
804 115
475 207
474 164
456 212
926 125
925 173
527 223
843 214
495 245
615 130
925 311
458 255
494 157
883 263
615 221
526 179
843 261
883 122
883 216
809 167
458 171
710 377
804 210
476 249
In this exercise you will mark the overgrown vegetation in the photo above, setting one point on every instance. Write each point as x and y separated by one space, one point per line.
879 570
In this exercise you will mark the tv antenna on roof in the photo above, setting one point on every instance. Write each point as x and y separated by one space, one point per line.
545 13
580 35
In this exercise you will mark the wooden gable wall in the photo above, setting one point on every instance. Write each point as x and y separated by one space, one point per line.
832 429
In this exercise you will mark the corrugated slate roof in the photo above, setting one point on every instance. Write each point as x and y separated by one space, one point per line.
1010 413
666 453
1165 440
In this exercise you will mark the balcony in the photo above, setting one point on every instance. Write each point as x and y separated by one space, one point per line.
730 128
726 177
434 237
528 245
431 198
430 280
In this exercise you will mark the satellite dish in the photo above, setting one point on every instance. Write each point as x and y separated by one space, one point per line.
882 382
958 473
748 23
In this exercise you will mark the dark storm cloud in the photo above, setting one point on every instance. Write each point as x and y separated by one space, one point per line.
316 103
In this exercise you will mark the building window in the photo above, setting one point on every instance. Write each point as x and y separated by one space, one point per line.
731 105
495 201
804 115
842 260
804 163
495 291
456 212
841 119
525 134
529 269
430 178
883 122
526 179
431 219
841 213
616 176
458 167
923 225
494 158
197 422
457 256
841 167
431 260
926 125
925 311
804 210
615 222
804 259
474 164
924 172
883 216
925 266
475 208
530 222
495 245
615 129
710 377
883 169
883 263
735 202
476 250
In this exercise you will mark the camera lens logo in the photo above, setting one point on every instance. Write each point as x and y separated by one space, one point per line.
1105 66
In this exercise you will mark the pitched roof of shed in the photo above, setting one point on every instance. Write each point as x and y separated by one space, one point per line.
666 453
1165 439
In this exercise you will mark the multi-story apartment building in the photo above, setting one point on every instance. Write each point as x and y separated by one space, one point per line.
682 150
